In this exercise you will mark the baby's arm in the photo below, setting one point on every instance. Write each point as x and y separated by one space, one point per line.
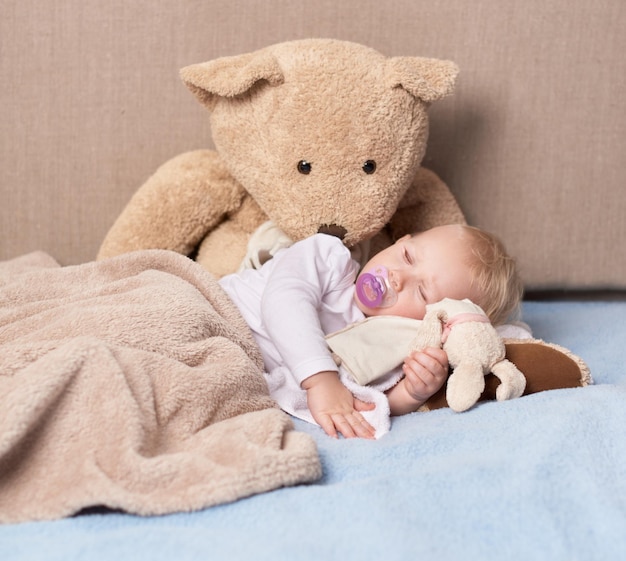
334 407
424 374
302 277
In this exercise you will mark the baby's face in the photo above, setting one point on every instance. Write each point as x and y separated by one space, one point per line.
424 269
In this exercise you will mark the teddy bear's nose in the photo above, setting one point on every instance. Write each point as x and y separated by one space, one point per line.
333 230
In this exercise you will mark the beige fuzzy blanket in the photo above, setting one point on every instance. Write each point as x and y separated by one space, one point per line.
135 384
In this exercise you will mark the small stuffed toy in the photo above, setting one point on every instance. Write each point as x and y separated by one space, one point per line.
372 351
316 135
474 349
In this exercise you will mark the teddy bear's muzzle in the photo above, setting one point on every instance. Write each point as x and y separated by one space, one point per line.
333 230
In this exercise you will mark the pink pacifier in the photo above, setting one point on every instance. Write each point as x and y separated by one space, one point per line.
374 290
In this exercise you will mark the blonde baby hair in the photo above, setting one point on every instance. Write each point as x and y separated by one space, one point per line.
495 275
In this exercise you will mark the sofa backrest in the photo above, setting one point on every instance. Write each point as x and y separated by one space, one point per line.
532 143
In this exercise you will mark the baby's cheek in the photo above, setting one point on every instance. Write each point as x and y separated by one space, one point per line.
409 308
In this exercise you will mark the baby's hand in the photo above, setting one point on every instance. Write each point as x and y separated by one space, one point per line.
425 372
334 407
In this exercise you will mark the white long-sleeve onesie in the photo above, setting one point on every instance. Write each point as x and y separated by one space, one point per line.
304 293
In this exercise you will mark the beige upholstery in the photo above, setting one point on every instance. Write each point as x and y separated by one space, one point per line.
532 143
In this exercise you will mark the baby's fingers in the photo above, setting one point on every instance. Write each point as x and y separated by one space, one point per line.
327 424
439 356
354 425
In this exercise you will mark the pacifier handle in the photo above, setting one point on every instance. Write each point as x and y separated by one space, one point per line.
374 290
369 290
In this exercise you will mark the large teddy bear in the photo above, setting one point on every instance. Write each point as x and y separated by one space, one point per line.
315 136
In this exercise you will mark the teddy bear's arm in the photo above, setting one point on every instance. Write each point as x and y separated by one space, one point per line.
175 208
229 240
428 202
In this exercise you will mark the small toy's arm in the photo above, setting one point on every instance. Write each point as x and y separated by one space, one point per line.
429 332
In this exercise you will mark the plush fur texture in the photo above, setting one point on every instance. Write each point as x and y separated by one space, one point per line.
133 383
315 135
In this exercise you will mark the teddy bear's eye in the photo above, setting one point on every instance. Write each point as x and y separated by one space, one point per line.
304 167
369 167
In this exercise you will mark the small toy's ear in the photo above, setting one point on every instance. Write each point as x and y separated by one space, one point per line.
428 79
231 76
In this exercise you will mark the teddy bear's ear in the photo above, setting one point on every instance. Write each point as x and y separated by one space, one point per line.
428 79
231 76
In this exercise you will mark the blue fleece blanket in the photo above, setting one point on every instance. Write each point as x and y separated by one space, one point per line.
540 477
